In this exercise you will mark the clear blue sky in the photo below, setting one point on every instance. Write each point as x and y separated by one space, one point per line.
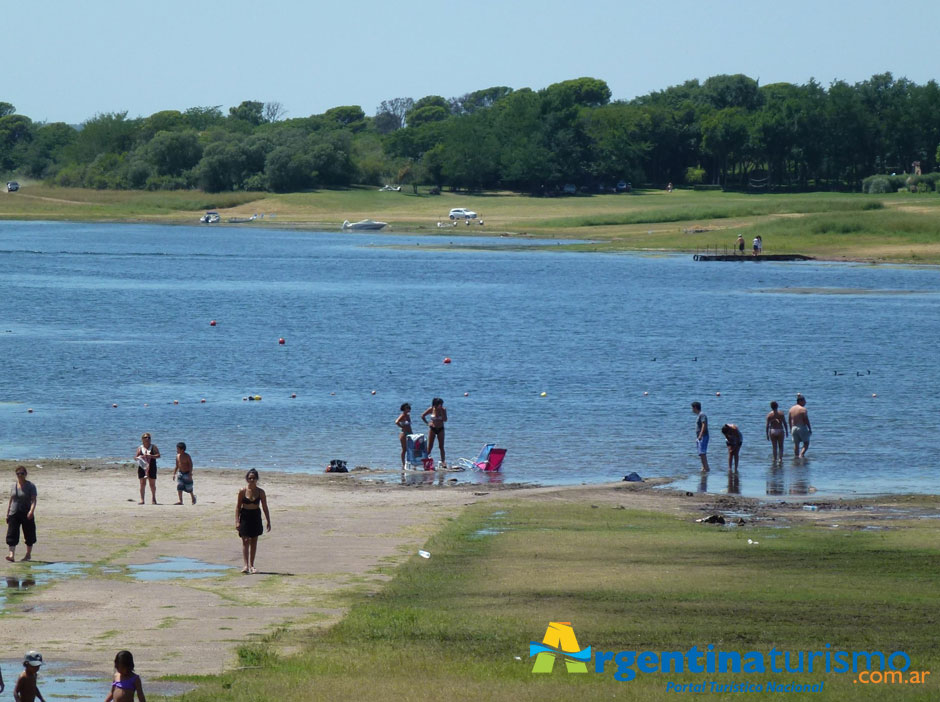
65 60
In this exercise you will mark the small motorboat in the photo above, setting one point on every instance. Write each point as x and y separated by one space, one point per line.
364 225
211 218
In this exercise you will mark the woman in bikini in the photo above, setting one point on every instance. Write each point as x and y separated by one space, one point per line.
777 430
404 424
438 415
251 501
126 682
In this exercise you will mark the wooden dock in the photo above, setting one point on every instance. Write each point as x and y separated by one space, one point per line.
749 257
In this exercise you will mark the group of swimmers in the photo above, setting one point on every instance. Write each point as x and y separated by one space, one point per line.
124 686
434 417
777 426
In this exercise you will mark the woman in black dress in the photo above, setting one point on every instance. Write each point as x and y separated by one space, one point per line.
248 508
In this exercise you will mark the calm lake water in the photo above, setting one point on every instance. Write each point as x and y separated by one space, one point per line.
98 314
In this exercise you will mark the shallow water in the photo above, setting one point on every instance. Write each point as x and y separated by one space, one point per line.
168 568
98 314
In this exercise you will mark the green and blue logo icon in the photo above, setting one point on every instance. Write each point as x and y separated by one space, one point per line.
559 642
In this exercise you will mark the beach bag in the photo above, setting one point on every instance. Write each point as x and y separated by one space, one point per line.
337 466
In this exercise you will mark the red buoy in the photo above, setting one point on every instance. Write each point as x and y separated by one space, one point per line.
293 395
203 400
447 359
212 323
281 341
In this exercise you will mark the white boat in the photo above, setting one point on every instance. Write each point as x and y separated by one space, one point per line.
364 225
211 218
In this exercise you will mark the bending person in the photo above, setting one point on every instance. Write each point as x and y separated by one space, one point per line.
733 439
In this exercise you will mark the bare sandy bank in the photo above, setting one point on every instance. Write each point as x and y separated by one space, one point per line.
332 536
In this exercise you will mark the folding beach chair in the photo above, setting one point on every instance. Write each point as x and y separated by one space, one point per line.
490 459
416 453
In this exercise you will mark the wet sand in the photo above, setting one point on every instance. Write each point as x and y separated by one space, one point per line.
332 537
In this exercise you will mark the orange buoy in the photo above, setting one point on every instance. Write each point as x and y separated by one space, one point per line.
447 359
281 341
203 400
212 323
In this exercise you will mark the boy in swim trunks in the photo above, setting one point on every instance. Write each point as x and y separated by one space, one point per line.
26 689
701 434
183 473
800 428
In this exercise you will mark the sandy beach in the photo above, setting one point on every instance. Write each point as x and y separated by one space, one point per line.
332 537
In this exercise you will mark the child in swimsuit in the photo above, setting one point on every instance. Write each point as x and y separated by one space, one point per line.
126 682
404 424
26 689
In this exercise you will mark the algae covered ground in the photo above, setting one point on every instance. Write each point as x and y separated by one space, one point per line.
901 227
458 626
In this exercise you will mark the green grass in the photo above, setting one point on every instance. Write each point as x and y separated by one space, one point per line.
453 626
890 227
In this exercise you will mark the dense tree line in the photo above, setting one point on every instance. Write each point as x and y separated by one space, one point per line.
727 131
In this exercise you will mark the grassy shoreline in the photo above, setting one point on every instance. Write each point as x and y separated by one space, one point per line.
457 626
898 227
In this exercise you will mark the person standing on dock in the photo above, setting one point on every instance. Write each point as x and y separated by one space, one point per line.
740 244
800 428
756 245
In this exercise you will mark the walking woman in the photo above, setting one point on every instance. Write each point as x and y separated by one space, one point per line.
438 415
21 513
404 425
776 428
251 501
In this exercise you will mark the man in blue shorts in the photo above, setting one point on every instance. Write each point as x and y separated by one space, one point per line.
701 434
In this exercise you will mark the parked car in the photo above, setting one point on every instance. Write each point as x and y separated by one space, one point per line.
461 213
624 187
570 189
12 186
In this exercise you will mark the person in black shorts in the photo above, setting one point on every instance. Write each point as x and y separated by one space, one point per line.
248 507
146 457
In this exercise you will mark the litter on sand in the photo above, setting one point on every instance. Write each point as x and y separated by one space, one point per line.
424 554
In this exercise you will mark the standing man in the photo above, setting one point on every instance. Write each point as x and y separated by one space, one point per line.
800 428
183 473
740 244
701 434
